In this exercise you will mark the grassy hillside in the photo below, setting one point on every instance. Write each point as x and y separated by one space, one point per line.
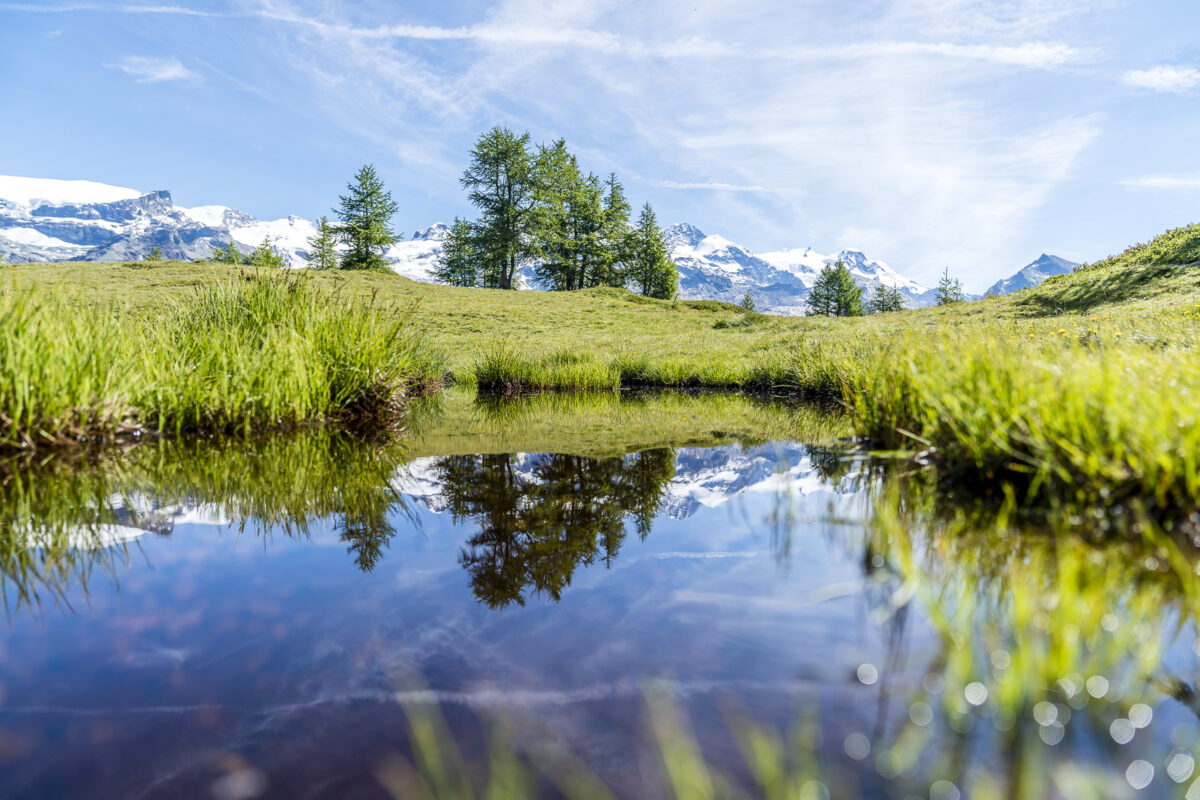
687 342
1080 391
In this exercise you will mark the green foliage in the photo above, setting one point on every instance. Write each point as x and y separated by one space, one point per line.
228 254
322 253
155 254
650 269
885 299
365 216
748 301
615 231
500 183
569 220
835 294
949 290
460 262
264 256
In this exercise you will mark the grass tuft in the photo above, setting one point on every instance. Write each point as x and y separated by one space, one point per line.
249 351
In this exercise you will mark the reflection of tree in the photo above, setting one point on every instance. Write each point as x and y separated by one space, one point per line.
537 526
368 533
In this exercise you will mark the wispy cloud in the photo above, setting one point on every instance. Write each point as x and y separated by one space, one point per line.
1169 182
1164 78
145 69
719 187
1033 54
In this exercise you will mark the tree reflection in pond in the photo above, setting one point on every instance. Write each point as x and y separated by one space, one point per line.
540 517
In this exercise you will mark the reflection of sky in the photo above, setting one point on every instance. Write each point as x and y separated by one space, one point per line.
211 645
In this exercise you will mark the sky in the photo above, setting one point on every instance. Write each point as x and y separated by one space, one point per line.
972 135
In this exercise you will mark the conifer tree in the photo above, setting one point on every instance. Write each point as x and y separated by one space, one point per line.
459 263
155 254
885 299
748 301
949 290
500 182
228 255
365 216
614 237
265 256
650 269
321 251
835 294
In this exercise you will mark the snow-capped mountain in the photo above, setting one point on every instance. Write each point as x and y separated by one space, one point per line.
1043 267
714 267
56 220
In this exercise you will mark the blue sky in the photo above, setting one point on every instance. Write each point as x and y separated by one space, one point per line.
973 134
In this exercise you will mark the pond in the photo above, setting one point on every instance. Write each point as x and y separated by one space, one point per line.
663 596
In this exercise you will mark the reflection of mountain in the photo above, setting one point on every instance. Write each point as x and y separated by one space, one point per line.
708 477
705 477
123 518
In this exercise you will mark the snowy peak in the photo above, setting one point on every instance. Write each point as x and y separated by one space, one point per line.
681 234
1043 267
437 232
32 192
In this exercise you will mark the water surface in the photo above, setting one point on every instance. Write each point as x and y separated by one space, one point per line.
270 620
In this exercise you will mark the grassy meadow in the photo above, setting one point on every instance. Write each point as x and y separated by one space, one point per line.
1080 392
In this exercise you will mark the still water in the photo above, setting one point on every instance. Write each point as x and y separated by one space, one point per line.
277 620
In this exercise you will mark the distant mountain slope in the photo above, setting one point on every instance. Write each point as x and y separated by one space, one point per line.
56 220
1033 273
53 220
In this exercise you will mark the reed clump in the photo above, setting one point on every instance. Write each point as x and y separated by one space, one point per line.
249 351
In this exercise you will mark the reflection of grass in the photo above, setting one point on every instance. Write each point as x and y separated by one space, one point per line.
1045 637
55 515
454 422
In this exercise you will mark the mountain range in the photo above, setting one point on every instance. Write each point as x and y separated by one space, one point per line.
57 220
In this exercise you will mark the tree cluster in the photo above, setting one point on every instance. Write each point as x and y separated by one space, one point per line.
536 206
835 294
262 256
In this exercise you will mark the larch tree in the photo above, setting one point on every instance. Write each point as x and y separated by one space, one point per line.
949 290
265 256
885 299
650 269
228 254
500 182
835 294
460 261
614 233
365 216
322 253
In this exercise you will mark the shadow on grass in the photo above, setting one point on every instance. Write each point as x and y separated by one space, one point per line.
1062 294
